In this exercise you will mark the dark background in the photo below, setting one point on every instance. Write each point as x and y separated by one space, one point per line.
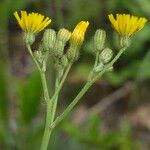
120 99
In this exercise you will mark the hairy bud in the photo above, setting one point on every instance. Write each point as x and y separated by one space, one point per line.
106 55
73 53
125 41
29 38
62 37
99 40
64 61
49 39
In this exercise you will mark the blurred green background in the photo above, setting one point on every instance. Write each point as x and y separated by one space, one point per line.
114 114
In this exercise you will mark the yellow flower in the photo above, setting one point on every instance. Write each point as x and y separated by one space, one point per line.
77 36
126 24
32 22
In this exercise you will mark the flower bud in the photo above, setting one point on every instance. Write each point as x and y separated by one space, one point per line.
106 55
125 41
77 36
73 53
29 38
99 40
63 35
64 60
62 38
59 49
99 67
49 39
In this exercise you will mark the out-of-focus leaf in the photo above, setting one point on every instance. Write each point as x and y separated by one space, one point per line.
83 69
144 71
29 96
3 93
127 73
137 48
117 139
144 5
93 125
75 13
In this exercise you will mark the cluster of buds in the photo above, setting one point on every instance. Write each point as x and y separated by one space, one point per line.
33 23
63 37
104 54
45 47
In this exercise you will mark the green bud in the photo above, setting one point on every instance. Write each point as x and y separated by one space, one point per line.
99 67
64 60
125 41
73 53
99 39
63 35
29 38
59 49
49 39
62 38
106 55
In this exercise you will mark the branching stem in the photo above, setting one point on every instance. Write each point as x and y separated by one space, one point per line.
84 90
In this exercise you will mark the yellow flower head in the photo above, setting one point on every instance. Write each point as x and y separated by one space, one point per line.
77 36
126 24
32 22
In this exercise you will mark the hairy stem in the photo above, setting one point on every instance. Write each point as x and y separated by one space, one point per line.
54 99
51 110
96 60
34 59
45 87
47 130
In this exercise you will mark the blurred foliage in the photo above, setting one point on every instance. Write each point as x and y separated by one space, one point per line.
3 94
29 96
22 120
93 137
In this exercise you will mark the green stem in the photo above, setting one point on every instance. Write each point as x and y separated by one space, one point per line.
96 60
34 59
54 99
84 90
42 73
95 65
51 109
72 104
47 130
117 56
45 87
